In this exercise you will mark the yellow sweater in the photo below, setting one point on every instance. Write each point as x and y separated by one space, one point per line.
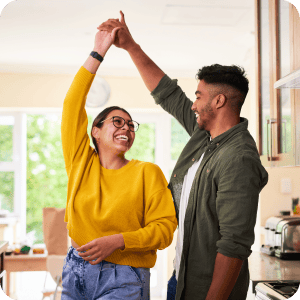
133 200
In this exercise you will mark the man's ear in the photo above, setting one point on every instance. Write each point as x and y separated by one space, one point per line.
221 101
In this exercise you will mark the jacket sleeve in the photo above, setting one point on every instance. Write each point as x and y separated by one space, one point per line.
173 100
75 140
241 181
159 217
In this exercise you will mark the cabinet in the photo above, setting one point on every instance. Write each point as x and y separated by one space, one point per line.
277 39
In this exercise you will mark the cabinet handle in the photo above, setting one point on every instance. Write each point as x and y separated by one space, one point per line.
270 122
284 122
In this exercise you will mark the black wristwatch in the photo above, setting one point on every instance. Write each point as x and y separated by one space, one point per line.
97 56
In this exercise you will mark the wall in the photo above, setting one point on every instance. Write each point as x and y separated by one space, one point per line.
48 91
272 199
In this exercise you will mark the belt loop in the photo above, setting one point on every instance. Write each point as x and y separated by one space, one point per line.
70 252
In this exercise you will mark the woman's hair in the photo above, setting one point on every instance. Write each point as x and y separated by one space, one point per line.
102 116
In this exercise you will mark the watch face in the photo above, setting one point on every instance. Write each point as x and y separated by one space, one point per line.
97 56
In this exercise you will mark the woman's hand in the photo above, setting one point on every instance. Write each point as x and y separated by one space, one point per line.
98 249
103 41
123 37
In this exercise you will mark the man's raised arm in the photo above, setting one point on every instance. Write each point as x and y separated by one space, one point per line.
149 71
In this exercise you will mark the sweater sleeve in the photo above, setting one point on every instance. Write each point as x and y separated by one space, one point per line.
159 217
173 100
75 140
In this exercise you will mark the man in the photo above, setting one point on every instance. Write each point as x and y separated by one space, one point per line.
216 181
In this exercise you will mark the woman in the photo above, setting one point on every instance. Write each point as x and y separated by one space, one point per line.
119 212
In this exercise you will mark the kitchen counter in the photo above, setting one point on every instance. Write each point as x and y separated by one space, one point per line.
263 267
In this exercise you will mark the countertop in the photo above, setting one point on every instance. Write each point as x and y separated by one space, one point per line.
3 246
263 267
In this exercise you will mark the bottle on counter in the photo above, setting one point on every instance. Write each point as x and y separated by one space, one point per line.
295 206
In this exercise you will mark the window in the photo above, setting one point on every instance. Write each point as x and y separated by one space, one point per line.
46 176
143 147
7 173
179 138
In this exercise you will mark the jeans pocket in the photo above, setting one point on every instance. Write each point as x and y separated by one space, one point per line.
142 274
137 273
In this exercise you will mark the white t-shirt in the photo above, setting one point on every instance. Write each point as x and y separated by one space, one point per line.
185 193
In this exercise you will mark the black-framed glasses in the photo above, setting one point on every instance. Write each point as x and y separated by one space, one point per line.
119 122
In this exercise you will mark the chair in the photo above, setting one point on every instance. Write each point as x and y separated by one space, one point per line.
57 241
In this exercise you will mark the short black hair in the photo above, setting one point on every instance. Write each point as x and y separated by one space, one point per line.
101 117
233 76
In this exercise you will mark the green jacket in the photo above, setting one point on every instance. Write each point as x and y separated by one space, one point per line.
223 201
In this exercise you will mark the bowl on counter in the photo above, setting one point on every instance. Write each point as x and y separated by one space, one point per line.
8 252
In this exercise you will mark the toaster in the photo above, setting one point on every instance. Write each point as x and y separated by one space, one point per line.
272 235
287 239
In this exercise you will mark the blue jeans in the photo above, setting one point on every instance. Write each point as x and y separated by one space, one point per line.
83 281
172 284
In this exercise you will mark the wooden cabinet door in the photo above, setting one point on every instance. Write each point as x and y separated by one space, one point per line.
295 65
276 107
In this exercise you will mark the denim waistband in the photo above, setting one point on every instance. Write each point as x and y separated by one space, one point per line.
73 255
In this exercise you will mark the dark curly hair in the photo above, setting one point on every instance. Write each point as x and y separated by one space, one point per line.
102 116
233 76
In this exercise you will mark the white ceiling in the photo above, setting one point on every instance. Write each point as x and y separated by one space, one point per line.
56 36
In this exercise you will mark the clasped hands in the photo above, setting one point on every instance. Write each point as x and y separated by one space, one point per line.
97 250
122 37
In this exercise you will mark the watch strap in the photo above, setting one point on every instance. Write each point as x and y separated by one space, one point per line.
97 56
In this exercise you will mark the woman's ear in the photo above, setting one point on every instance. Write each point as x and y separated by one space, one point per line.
95 132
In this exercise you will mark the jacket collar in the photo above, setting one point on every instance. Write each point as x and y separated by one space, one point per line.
242 126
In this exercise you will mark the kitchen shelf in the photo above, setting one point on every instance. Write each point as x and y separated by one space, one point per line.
291 81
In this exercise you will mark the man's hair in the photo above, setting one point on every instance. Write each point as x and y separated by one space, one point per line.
233 76
101 117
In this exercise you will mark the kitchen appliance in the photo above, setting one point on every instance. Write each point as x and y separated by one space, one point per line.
276 290
273 236
287 239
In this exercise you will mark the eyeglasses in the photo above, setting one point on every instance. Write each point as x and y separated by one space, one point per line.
119 122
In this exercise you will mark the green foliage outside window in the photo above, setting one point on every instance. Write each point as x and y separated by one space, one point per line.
46 175
179 138
6 142
143 147
6 178
7 191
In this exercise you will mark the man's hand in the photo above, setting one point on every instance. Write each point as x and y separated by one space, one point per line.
98 249
123 38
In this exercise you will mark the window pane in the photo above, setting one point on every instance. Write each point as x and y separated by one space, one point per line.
265 70
7 191
6 138
46 175
143 147
285 100
179 138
